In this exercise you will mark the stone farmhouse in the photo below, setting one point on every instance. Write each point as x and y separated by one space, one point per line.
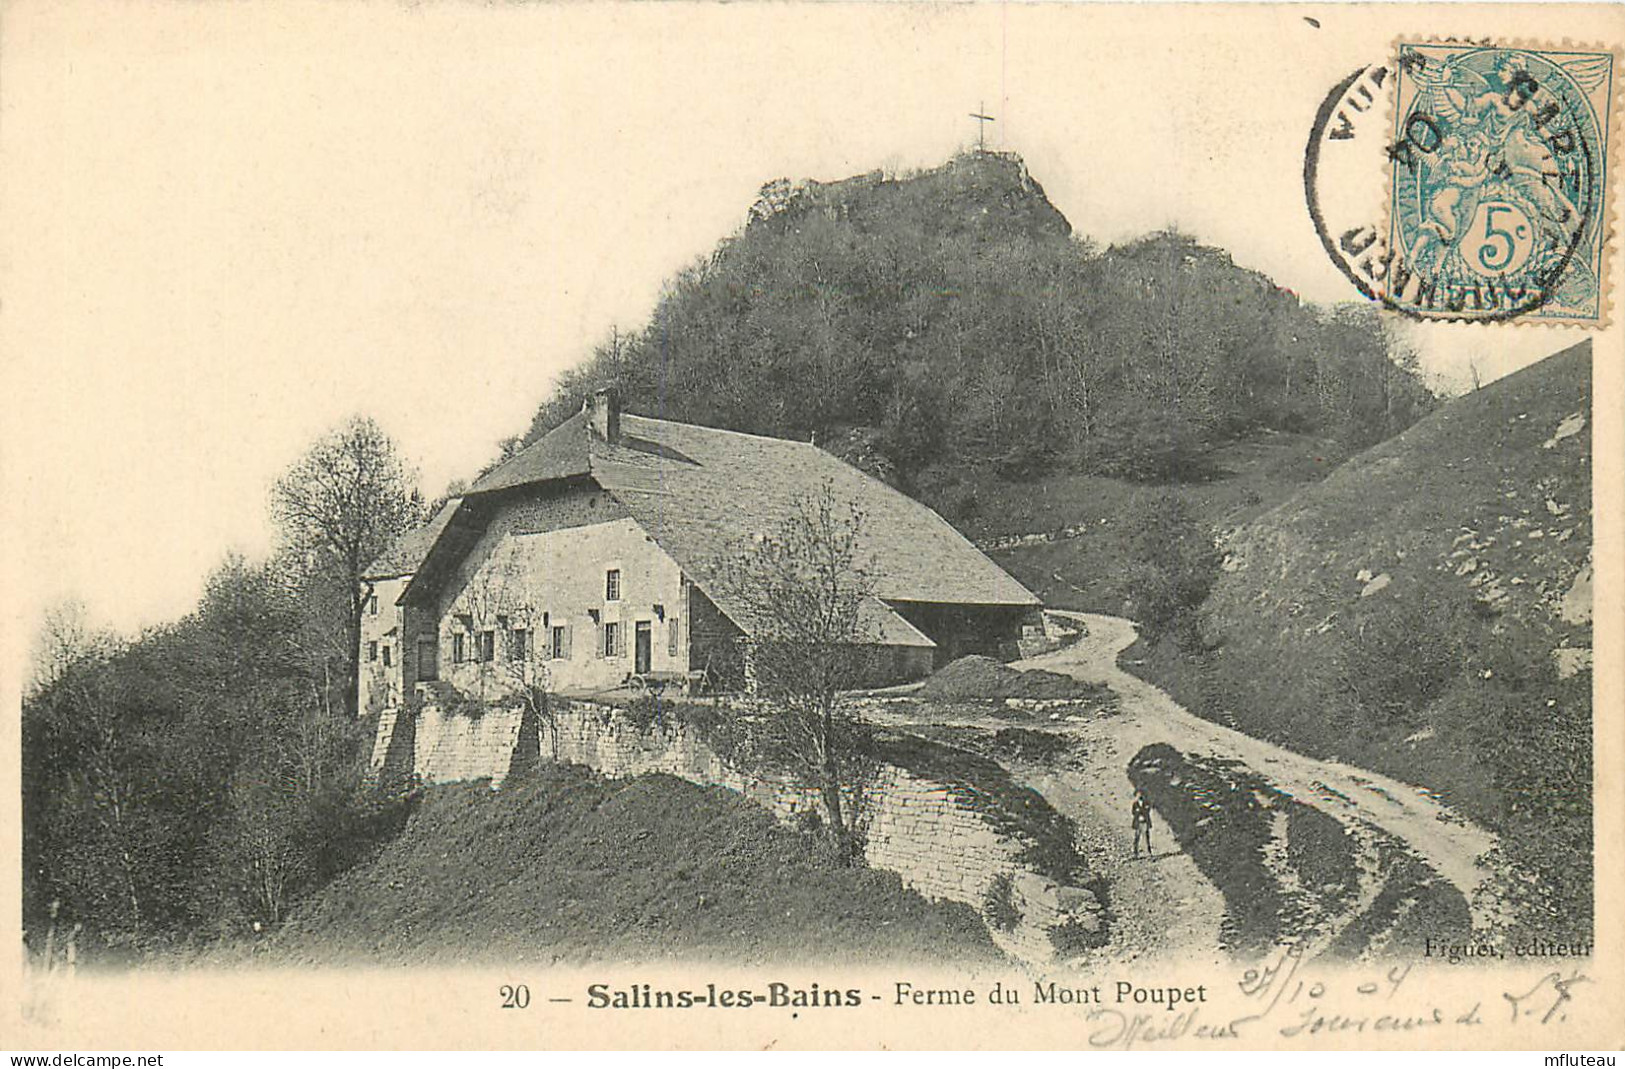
586 561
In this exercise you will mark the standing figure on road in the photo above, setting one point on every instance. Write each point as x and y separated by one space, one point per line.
1142 823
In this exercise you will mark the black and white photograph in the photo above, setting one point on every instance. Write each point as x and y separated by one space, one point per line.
921 526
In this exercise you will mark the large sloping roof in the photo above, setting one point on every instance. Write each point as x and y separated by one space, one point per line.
880 624
699 490
559 454
409 549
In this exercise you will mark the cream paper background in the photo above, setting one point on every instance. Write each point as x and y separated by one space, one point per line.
1255 104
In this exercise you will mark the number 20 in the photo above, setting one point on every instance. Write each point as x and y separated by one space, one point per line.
514 996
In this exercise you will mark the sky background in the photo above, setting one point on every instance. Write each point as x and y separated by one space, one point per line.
232 226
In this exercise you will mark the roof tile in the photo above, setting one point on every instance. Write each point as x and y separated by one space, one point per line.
699 490
409 549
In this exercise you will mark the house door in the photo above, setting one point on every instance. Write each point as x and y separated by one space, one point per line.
643 646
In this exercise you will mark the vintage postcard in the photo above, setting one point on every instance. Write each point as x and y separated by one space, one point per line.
908 526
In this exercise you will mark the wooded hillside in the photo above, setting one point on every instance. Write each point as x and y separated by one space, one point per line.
947 324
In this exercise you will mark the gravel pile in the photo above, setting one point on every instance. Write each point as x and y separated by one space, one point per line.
983 677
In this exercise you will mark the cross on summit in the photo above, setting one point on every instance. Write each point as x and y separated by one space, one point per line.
981 126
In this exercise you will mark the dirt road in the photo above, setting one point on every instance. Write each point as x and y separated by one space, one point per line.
1168 902
1449 843
1160 903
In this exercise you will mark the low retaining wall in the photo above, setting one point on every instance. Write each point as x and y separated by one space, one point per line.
451 749
911 825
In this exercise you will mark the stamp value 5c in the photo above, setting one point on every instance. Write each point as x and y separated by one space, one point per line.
1497 183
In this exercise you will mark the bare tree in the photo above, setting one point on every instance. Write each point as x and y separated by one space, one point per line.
82 710
340 506
802 590
529 681
64 638
498 598
259 840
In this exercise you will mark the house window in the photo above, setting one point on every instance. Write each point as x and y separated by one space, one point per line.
372 605
519 645
612 639
672 647
459 648
612 585
488 646
372 651
557 648
386 656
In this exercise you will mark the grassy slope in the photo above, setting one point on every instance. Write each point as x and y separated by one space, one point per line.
1443 674
565 865
1086 573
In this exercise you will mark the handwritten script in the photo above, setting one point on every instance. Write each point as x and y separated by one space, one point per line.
1287 997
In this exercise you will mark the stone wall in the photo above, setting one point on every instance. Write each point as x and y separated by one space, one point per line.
454 748
602 738
381 742
912 825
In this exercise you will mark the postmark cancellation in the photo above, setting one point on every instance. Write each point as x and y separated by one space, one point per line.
1497 182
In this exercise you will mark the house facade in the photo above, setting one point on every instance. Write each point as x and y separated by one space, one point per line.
563 590
589 559
392 659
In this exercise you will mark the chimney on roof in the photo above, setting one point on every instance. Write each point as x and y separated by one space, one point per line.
604 414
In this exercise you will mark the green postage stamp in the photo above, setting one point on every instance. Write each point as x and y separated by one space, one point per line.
1498 178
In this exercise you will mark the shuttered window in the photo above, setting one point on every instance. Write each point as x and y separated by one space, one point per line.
612 639
673 638
459 648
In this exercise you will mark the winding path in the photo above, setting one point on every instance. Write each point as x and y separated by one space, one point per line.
1166 903
1452 845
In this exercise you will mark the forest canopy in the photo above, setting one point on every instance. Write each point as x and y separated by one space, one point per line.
949 324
